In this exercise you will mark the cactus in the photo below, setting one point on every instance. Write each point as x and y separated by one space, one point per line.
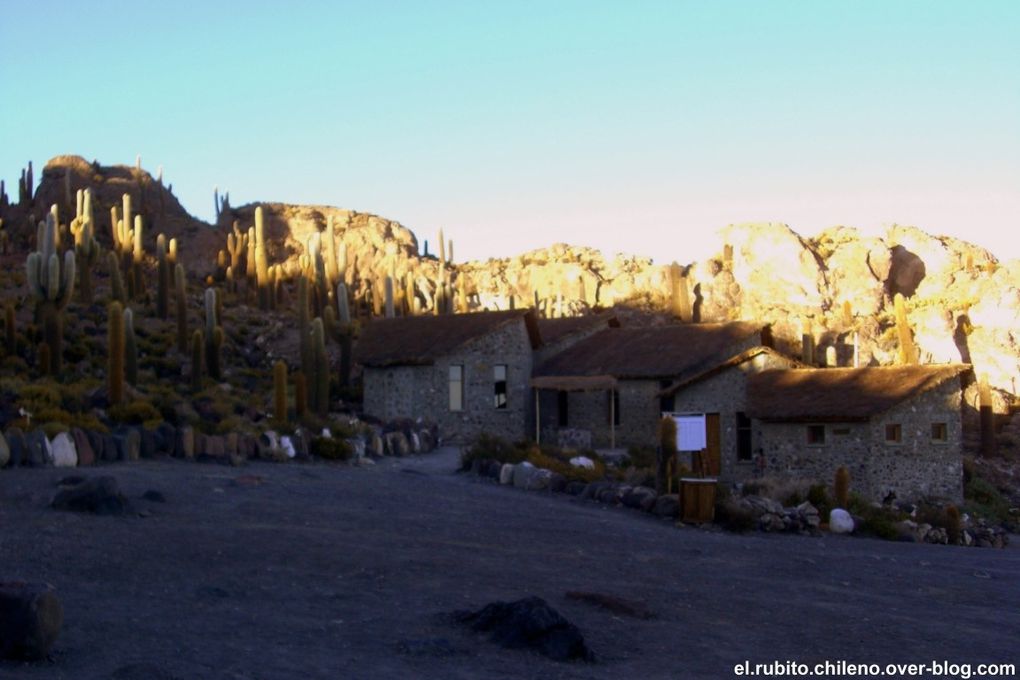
841 487
908 350
304 340
86 249
182 308
117 291
213 335
848 314
137 260
52 285
10 332
300 395
280 391
319 387
388 284
130 349
237 247
807 343
727 257
197 343
953 529
261 261
679 295
163 278
115 349
442 249
667 450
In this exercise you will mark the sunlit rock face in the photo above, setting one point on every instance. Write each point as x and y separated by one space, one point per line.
963 304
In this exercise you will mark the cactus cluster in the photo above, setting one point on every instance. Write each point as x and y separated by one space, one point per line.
86 248
51 282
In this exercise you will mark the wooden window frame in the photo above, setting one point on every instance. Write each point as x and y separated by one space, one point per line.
497 384
896 429
815 435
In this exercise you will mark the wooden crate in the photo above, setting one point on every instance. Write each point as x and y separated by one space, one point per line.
697 496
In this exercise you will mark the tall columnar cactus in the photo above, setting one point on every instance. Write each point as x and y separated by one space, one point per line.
841 487
442 249
666 452
388 284
304 339
51 283
197 343
450 251
86 248
138 260
345 334
261 261
117 291
115 350
679 295
908 350
280 391
10 333
213 335
163 278
319 388
848 314
237 247
130 349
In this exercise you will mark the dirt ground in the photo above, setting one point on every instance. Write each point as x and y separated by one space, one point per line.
331 571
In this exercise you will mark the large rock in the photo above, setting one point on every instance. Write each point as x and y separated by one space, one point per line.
39 450
30 620
523 473
98 495
640 497
840 521
667 505
128 444
506 473
86 456
529 623
18 446
64 452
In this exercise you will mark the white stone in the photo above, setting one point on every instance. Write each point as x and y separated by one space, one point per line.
583 462
840 521
506 473
288 446
326 433
64 453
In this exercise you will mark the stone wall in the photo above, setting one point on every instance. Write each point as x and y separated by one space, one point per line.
913 468
725 393
424 391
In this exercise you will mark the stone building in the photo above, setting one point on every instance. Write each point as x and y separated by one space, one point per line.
897 429
714 396
603 391
467 372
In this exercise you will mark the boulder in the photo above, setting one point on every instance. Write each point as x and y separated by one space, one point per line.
148 444
529 623
184 444
30 620
86 456
640 497
557 483
760 505
287 444
38 448
166 439
583 462
506 473
808 515
5 452
840 521
128 444
397 444
98 495
215 447
97 441
109 448
522 474
575 488
539 480
375 445
64 452
18 446
667 505
302 440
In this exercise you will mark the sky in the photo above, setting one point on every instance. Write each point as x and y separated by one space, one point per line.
639 127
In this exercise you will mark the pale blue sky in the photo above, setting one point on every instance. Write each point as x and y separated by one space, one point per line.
634 126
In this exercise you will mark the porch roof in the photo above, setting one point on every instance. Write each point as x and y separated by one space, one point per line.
574 383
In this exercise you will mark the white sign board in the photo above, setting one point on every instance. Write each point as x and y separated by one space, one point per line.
690 432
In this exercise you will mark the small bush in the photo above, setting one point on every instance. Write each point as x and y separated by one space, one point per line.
984 500
642 457
135 413
490 446
331 448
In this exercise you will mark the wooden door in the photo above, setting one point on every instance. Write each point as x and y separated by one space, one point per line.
713 444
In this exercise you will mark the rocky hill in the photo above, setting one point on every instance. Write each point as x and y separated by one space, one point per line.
963 304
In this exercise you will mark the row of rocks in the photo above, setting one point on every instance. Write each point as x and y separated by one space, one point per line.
79 447
531 478
980 535
770 515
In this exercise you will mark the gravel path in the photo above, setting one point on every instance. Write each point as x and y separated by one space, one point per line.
326 571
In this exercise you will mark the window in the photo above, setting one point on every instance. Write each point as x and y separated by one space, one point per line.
456 387
499 381
666 403
939 432
561 408
815 435
893 433
614 407
743 436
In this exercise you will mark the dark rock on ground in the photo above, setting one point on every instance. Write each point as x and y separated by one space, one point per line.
86 454
529 623
557 483
30 620
575 488
98 495
37 449
667 505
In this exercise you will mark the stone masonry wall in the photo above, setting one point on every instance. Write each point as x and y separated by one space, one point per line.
424 391
725 393
914 468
